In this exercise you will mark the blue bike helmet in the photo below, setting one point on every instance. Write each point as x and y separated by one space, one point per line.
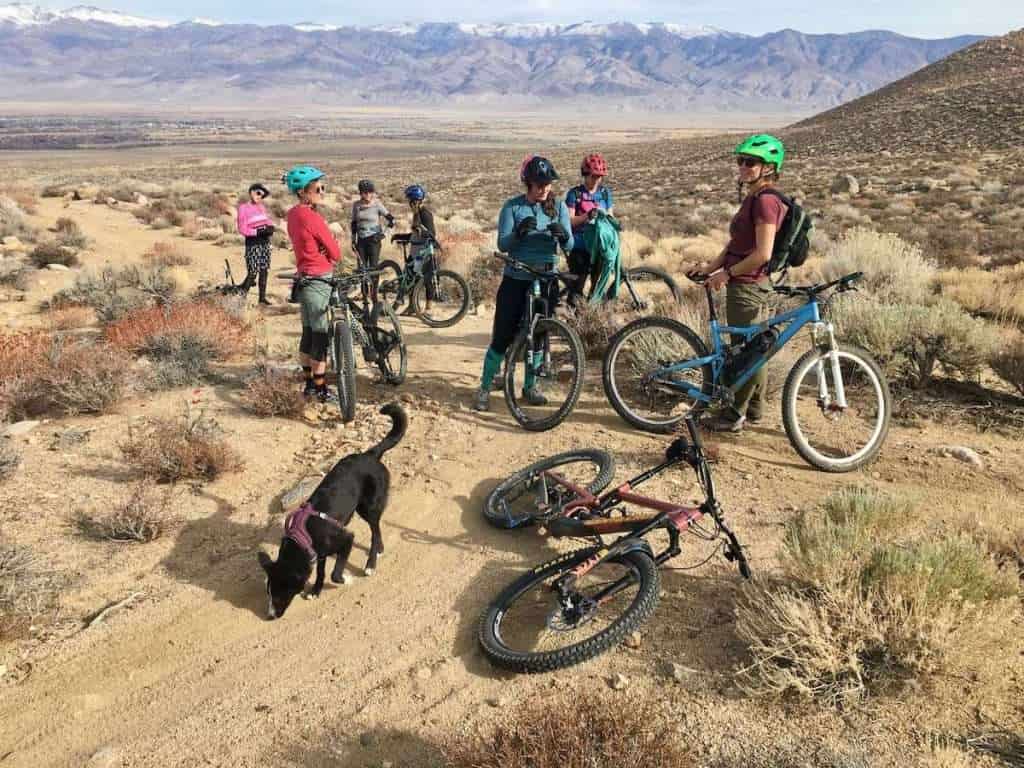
415 193
300 177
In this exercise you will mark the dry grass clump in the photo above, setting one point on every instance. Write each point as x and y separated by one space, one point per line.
574 732
167 255
208 324
595 324
1008 362
27 590
187 448
997 294
42 374
69 318
484 276
859 611
144 516
69 233
269 393
16 273
13 222
53 253
10 460
895 271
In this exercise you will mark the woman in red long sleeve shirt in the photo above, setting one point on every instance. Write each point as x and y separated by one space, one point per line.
316 255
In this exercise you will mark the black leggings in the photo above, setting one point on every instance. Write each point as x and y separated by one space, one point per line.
368 249
579 265
510 306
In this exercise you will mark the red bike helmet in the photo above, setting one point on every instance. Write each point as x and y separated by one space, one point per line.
594 164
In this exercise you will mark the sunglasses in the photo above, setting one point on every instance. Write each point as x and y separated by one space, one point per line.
320 189
748 162
259 194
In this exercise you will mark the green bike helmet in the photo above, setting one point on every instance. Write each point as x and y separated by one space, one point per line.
765 147
299 177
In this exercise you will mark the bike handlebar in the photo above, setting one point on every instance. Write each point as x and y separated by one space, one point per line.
565 277
844 283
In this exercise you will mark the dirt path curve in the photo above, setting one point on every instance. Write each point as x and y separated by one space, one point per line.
194 675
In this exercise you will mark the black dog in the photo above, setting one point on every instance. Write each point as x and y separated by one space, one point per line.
357 483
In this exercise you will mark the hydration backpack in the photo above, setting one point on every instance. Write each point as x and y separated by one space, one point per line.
793 240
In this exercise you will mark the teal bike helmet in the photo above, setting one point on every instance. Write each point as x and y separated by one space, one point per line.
300 177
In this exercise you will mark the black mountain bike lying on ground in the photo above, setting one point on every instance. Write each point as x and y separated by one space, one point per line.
438 297
585 602
546 356
375 328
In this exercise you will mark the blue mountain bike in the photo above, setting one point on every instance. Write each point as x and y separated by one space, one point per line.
836 404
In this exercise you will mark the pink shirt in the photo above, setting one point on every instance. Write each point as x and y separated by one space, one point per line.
252 216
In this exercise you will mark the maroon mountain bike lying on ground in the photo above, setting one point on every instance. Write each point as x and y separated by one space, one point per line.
582 603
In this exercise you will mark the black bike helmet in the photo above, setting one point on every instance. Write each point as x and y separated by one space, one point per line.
257 187
366 186
538 170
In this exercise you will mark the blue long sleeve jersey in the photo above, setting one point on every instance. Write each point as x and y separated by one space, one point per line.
538 249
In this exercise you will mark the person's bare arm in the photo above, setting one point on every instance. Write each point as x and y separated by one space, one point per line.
764 233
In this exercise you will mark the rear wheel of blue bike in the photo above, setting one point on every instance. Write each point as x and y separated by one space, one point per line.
826 434
543 390
532 626
389 287
638 377
442 299
530 495
344 363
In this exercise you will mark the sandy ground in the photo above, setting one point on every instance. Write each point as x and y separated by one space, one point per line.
192 674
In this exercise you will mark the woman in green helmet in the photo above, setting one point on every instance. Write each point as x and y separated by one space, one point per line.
742 266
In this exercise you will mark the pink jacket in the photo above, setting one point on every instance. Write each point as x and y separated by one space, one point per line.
252 216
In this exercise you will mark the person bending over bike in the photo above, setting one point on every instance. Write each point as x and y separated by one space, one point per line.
742 266
584 201
316 255
422 239
531 228
256 226
367 233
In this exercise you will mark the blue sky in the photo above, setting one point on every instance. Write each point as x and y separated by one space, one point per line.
921 18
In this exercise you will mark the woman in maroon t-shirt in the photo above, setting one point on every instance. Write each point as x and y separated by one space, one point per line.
742 266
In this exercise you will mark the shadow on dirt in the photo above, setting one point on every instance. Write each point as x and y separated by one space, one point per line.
369 749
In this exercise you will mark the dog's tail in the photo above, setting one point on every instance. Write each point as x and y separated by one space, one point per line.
399 423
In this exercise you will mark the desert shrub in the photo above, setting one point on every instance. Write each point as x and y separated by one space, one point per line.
15 273
142 517
167 255
210 326
595 324
998 293
114 294
165 211
10 460
13 222
894 270
179 359
27 589
69 318
69 234
484 277
1008 363
53 253
273 394
860 611
42 374
187 448
574 732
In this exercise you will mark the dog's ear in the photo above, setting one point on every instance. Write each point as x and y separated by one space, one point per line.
265 561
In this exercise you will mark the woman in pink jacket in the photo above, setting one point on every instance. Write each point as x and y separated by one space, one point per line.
256 226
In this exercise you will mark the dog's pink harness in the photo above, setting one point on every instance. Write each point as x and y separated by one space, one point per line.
295 527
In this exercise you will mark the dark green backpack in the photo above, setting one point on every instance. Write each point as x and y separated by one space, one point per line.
793 240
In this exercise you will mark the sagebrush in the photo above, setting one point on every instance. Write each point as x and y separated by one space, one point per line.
145 515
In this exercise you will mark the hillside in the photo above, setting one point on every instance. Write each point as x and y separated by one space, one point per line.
971 99
84 55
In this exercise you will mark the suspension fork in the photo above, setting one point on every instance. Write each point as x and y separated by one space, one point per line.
837 374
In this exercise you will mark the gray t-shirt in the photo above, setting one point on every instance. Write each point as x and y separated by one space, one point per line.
366 218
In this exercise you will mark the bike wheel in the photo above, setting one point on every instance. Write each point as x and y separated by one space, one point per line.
527 496
556 374
654 288
389 343
527 629
635 380
390 287
826 436
345 369
450 302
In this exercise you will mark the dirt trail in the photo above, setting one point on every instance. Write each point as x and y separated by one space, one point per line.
194 675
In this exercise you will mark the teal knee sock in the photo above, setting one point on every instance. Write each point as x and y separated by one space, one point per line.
492 364
530 378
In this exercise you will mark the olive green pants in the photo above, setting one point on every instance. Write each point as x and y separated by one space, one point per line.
744 305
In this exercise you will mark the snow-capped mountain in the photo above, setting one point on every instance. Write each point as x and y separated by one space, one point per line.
25 15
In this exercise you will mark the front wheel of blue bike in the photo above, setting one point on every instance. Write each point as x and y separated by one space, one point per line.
644 378
828 433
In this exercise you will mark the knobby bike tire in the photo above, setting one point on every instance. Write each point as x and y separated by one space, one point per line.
345 368
496 514
391 375
515 352
643 606
389 286
640 275
611 388
419 295
790 392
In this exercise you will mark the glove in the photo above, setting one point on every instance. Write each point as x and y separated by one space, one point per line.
594 213
390 220
558 232
525 227
265 230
